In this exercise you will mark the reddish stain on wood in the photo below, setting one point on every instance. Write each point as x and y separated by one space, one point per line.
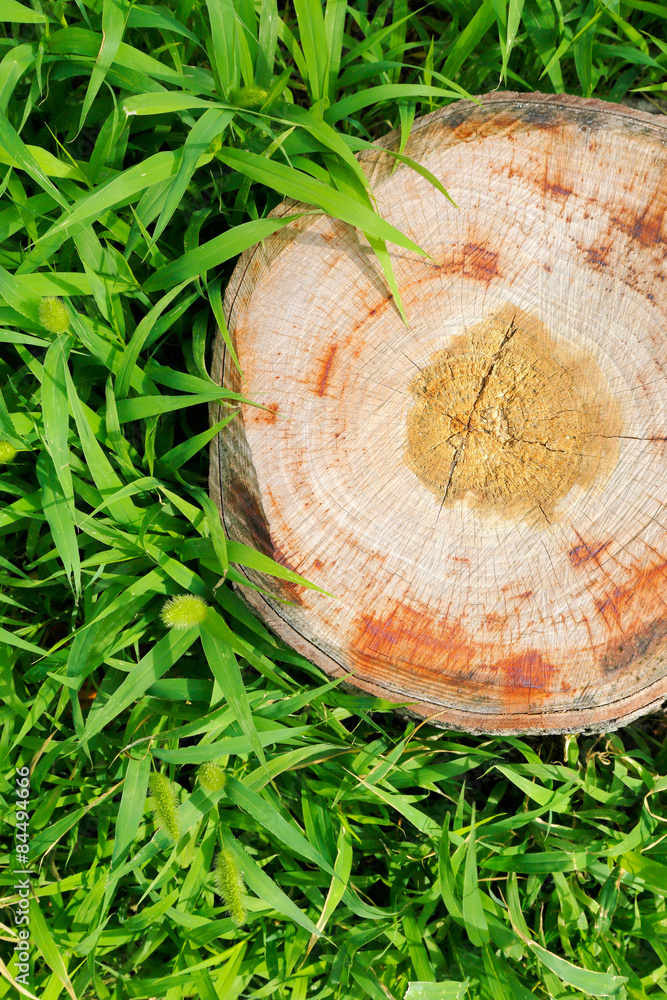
474 261
620 653
584 552
325 370
410 636
267 416
527 678
646 227
556 190
495 622
318 564
441 649
622 605
596 257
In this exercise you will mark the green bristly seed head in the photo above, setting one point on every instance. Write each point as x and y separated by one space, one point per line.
184 611
7 452
211 776
249 97
230 884
163 801
53 314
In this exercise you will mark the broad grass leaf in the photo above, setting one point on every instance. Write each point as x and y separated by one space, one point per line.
472 907
19 987
446 879
100 467
540 862
378 95
223 44
130 811
197 262
402 805
416 950
652 872
114 17
120 190
10 639
334 28
543 796
359 144
138 339
141 407
141 16
40 933
58 511
210 125
225 669
19 13
167 103
232 745
244 555
594 984
338 886
314 46
448 990
164 654
80 42
14 65
265 814
176 457
297 184
23 300
469 39
55 413
13 147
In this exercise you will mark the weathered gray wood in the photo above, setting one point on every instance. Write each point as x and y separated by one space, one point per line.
483 492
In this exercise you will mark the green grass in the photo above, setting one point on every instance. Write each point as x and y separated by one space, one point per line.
141 148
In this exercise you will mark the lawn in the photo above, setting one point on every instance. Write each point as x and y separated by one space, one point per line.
201 812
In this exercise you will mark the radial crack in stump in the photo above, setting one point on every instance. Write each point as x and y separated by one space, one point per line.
507 419
484 491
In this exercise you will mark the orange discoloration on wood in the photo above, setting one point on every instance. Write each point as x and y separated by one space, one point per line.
474 261
441 651
408 635
584 552
554 190
645 227
624 651
495 622
267 416
526 679
597 257
622 606
325 370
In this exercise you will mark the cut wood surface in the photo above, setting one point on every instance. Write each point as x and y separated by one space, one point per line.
483 491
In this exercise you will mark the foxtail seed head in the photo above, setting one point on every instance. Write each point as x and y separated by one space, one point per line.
230 885
249 97
7 452
184 611
53 315
163 801
211 776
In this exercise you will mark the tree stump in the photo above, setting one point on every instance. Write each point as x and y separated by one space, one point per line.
483 491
